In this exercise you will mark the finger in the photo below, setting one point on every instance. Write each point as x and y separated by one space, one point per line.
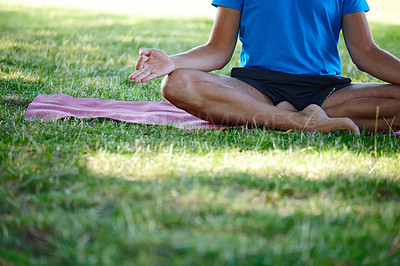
140 62
142 75
135 76
149 77
145 51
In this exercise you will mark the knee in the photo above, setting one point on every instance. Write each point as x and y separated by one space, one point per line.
173 84
179 88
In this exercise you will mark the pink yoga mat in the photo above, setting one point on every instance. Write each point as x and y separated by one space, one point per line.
52 107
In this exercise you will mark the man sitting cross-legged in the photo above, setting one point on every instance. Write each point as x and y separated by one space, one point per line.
290 67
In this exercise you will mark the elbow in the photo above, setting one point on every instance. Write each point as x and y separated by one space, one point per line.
362 59
221 55
223 60
360 62
223 64
359 66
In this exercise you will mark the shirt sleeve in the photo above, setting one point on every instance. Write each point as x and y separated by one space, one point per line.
352 6
235 4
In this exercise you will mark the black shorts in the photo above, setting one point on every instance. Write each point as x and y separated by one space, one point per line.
299 90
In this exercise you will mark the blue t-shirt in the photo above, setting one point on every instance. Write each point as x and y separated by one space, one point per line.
292 36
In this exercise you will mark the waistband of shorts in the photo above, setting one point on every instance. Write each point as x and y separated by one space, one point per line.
277 77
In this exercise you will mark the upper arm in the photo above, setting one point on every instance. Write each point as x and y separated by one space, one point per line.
357 35
225 30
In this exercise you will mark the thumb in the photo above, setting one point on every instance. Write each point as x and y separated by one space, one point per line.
140 62
145 51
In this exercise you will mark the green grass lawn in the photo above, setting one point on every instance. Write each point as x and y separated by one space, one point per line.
83 192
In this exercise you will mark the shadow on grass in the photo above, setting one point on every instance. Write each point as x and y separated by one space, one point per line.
254 217
55 208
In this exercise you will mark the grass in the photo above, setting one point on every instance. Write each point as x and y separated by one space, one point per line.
83 192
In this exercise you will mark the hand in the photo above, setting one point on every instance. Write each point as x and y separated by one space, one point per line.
157 64
320 121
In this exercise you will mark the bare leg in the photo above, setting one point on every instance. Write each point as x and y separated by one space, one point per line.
210 97
221 99
359 102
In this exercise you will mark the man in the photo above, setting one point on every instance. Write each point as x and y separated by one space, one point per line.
290 68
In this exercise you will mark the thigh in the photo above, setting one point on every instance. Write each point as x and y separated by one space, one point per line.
198 77
363 90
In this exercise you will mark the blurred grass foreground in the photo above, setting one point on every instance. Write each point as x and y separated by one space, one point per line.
100 192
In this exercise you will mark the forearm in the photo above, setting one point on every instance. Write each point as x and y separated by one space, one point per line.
205 58
381 65
365 53
155 63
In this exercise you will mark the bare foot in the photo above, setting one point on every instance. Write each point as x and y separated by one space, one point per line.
286 106
320 121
